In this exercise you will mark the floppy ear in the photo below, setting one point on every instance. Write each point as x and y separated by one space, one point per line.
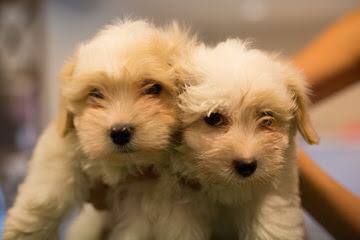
298 90
65 118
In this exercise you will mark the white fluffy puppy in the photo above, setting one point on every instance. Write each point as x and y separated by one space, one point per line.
235 175
118 113
239 139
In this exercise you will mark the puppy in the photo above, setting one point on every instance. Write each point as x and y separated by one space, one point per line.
118 114
235 175
239 141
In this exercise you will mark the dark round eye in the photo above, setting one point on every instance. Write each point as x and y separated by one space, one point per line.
267 119
267 122
215 119
96 93
154 89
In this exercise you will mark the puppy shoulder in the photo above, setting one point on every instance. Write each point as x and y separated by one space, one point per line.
53 148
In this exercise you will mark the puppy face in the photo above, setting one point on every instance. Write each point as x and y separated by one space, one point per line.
240 121
119 91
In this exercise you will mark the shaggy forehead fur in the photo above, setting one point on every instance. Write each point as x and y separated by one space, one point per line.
135 50
129 52
236 74
118 45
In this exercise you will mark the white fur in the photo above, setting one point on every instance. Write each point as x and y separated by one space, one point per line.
236 80
165 210
89 225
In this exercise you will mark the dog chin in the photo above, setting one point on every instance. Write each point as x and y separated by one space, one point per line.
127 150
126 155
233 180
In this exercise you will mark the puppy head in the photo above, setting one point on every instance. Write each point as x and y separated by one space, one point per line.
241 120
119 90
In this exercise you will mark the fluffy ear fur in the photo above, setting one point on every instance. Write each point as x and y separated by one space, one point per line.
64 120
179 52
296 86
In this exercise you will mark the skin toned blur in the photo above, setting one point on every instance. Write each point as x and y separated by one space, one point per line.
331 62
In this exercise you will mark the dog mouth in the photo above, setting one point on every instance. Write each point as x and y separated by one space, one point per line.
126 149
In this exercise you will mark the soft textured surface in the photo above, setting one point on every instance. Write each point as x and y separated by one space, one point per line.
247 88
119 64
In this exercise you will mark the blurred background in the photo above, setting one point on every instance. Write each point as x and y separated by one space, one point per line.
36 37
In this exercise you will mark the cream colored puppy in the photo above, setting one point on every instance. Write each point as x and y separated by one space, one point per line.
118 115
235 174
239 140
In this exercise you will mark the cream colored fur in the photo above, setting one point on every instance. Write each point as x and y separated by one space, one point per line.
240 83
90 224
75 150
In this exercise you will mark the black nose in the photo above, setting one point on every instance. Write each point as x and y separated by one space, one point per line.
121 134
245 167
